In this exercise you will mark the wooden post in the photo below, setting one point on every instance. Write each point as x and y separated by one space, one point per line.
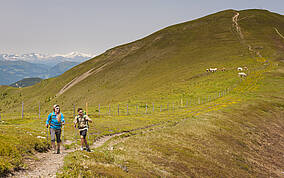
168 106
127 109
173 106
0 116
99 109
136 109
22 110
146 109
39 110
109 109
153 108
160 108
74 118
198 100
118 109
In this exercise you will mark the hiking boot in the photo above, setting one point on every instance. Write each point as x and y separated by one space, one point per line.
88 150
58 151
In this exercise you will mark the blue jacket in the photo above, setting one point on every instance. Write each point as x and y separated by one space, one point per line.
52 121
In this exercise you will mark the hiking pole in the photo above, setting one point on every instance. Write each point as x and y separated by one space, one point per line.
47 134
62 134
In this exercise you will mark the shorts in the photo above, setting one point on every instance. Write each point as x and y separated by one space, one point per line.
83 133
54 132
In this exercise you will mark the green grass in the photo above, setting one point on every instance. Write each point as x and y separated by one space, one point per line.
18 139
227 136
224 138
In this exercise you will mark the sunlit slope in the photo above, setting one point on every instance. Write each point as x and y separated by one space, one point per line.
172 55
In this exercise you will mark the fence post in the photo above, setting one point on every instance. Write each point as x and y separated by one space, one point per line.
99 109
136 109
74 118
127 109
146 109
168 106
198 100
160 108
118 109
39 110
22 110
0 116
153 108
173 106
109 109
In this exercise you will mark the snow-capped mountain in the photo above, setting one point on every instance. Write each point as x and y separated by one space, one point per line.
15 67
50 60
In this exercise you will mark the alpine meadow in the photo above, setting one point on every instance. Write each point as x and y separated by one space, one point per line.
159 108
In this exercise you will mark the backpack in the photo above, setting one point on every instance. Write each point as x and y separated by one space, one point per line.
84 117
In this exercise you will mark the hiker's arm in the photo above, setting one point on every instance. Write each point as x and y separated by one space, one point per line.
89 120
47 121
62 119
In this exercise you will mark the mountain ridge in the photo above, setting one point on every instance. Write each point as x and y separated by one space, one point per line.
171 55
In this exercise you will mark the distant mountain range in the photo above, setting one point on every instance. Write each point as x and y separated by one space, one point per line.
50 60
15 67
26 82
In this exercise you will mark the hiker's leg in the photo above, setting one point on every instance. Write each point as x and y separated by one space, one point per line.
86 143
52 137
58 139
85 139
82 141
53 145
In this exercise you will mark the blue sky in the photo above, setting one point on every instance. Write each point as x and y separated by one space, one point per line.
92 26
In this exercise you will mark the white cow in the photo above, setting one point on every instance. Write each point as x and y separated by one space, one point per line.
242 74
240 69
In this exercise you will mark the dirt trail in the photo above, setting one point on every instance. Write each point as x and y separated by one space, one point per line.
82 77
279 33
240 34
48 164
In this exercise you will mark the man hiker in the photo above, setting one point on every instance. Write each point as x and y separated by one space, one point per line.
82 120
55 120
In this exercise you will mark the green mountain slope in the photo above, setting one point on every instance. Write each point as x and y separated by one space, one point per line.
207 130
168 57
26 82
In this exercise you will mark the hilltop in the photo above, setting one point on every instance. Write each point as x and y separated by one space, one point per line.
180 121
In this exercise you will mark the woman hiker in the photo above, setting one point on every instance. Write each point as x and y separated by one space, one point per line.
82 120
55 120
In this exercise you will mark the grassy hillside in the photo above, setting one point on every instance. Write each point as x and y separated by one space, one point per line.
237 134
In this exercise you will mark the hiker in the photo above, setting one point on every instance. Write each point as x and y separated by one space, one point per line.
82 120
55 120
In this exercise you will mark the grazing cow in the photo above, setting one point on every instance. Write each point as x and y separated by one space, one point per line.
242 74
213 69
245 68
207 70
240 69
223 69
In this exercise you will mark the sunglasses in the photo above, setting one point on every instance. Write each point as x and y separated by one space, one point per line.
56 108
